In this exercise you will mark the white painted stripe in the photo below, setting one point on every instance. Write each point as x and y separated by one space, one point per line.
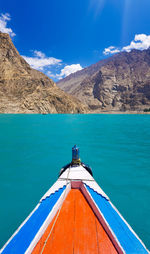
56 186
106 222
48 220
77 173
93 185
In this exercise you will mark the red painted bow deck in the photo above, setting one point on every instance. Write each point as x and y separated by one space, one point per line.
75 216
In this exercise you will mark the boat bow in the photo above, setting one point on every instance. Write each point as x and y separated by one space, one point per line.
75 216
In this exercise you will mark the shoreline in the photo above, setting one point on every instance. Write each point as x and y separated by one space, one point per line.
88 113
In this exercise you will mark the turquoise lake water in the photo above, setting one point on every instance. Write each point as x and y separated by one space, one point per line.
33 148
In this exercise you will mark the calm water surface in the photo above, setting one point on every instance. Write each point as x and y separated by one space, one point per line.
33 148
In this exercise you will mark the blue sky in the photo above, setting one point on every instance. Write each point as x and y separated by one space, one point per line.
62 36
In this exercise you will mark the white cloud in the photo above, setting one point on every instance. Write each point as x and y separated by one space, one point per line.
50 65
68 69
140 42
39 54
110 50
4 18
40 61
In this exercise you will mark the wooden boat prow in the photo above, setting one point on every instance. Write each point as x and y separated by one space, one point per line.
75 216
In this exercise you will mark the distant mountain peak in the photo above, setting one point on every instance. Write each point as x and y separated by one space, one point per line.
118 83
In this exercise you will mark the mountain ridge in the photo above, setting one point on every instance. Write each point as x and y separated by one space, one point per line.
120 83
25 90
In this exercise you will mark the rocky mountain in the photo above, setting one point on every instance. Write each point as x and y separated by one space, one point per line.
119 83
25 90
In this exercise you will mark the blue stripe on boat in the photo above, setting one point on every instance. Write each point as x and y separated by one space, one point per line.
21 241
125 236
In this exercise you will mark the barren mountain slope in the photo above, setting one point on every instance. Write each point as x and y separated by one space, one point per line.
120 83
24 90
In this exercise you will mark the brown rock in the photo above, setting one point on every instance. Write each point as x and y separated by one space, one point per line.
25 90
119 83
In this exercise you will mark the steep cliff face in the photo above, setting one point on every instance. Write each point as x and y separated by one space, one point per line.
119 83
24 90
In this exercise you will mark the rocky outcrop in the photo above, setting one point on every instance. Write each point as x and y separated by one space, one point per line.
119 83
25 90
